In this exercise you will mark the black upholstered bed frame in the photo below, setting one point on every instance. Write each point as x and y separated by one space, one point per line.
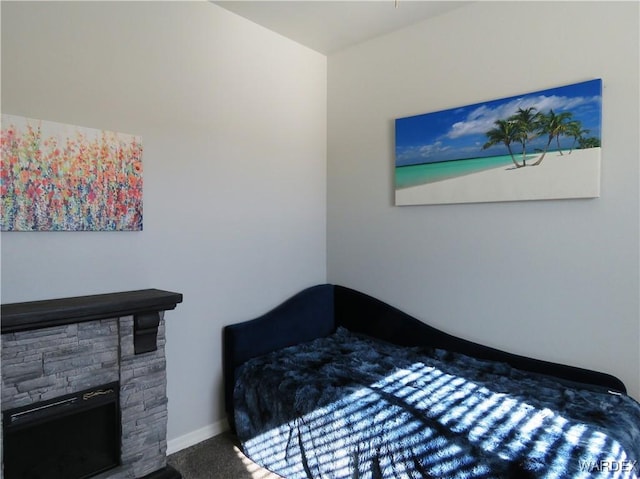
317 311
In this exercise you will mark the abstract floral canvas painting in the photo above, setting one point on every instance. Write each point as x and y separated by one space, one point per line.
58 177
536 146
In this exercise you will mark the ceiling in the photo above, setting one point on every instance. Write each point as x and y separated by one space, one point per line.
330 26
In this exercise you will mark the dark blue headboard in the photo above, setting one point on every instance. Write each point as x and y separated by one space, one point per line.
359 312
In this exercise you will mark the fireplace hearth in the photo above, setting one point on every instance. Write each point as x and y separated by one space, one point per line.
84 387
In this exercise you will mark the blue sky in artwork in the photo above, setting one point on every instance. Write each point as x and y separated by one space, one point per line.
460 133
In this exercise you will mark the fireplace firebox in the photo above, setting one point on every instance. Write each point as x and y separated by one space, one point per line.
75 436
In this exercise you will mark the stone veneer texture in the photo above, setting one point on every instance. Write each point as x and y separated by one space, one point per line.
47 363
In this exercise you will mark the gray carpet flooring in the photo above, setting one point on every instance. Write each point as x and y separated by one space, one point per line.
217 458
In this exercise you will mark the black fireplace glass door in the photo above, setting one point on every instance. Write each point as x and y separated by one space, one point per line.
73 438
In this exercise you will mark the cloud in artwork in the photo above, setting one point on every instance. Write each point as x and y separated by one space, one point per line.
482 119
421 152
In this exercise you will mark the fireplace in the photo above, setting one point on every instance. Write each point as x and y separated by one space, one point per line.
84 387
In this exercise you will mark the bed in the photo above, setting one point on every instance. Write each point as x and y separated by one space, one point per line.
334 383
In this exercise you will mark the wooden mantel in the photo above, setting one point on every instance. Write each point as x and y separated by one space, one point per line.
32 315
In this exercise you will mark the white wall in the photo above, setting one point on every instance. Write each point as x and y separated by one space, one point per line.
233 124
555 279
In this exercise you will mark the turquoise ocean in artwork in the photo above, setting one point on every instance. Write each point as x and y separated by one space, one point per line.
424 173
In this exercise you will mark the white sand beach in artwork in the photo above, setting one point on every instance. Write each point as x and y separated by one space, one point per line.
571 175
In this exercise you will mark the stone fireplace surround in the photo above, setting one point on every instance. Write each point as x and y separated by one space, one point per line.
55 347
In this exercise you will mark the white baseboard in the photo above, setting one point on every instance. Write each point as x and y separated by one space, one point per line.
194 437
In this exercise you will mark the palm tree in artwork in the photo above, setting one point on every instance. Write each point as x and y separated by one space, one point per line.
574 130
554 125
505 131
527 125
591 142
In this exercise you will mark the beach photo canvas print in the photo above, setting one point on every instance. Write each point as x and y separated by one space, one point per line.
58 177
537 146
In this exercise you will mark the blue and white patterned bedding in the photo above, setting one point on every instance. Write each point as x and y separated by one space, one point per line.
349 406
